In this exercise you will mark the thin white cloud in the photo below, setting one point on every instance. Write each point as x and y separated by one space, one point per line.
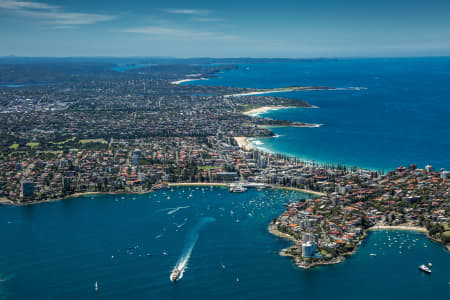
51 14
200 19
187 11
176 33
13 4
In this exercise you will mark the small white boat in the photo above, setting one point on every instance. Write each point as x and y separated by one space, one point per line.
175 275
373 254
425 269
96 286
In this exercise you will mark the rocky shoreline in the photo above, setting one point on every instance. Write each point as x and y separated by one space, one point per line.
273 230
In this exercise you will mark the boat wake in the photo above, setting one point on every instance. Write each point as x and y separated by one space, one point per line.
174 210
190 244
351 88
170 210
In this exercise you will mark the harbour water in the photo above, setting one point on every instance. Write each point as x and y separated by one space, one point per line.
398 118
59 250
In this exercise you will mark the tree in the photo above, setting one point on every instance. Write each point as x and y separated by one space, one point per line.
446 236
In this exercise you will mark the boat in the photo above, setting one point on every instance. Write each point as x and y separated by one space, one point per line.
175 275
96 286
373 254
239 189
425 269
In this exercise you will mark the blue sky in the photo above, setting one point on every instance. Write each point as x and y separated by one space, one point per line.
313 28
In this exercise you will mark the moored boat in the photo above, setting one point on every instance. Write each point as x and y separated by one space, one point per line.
425 269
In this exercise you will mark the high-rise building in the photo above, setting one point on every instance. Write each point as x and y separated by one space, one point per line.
310 237
308 249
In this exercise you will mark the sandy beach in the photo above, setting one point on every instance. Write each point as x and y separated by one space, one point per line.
197 184
399 227
243 143
278 90
263 109
187 80
299 190
4 200
252 93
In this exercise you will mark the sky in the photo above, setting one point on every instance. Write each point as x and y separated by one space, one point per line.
232 28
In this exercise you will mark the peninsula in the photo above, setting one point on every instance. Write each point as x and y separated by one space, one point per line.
326 229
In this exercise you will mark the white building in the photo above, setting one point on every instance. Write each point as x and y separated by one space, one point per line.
308 249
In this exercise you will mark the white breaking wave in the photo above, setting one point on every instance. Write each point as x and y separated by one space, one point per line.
351 88
190 244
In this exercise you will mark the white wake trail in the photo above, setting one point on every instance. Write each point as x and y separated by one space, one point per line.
191 240
176 209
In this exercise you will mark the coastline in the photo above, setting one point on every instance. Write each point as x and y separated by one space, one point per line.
187 80
264 109
244 143
197 184
303 125
320 194
273 230
4 201
398 227
279 90
411 228
75 195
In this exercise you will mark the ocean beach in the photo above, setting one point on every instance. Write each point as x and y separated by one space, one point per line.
264 109
362 124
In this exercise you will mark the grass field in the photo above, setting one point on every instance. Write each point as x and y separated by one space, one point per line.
207 168
32 144
63 142
103 141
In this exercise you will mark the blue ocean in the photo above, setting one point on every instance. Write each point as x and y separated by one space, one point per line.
400 117
130 244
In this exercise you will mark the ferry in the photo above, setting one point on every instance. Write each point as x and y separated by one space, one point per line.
425 269
175 275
